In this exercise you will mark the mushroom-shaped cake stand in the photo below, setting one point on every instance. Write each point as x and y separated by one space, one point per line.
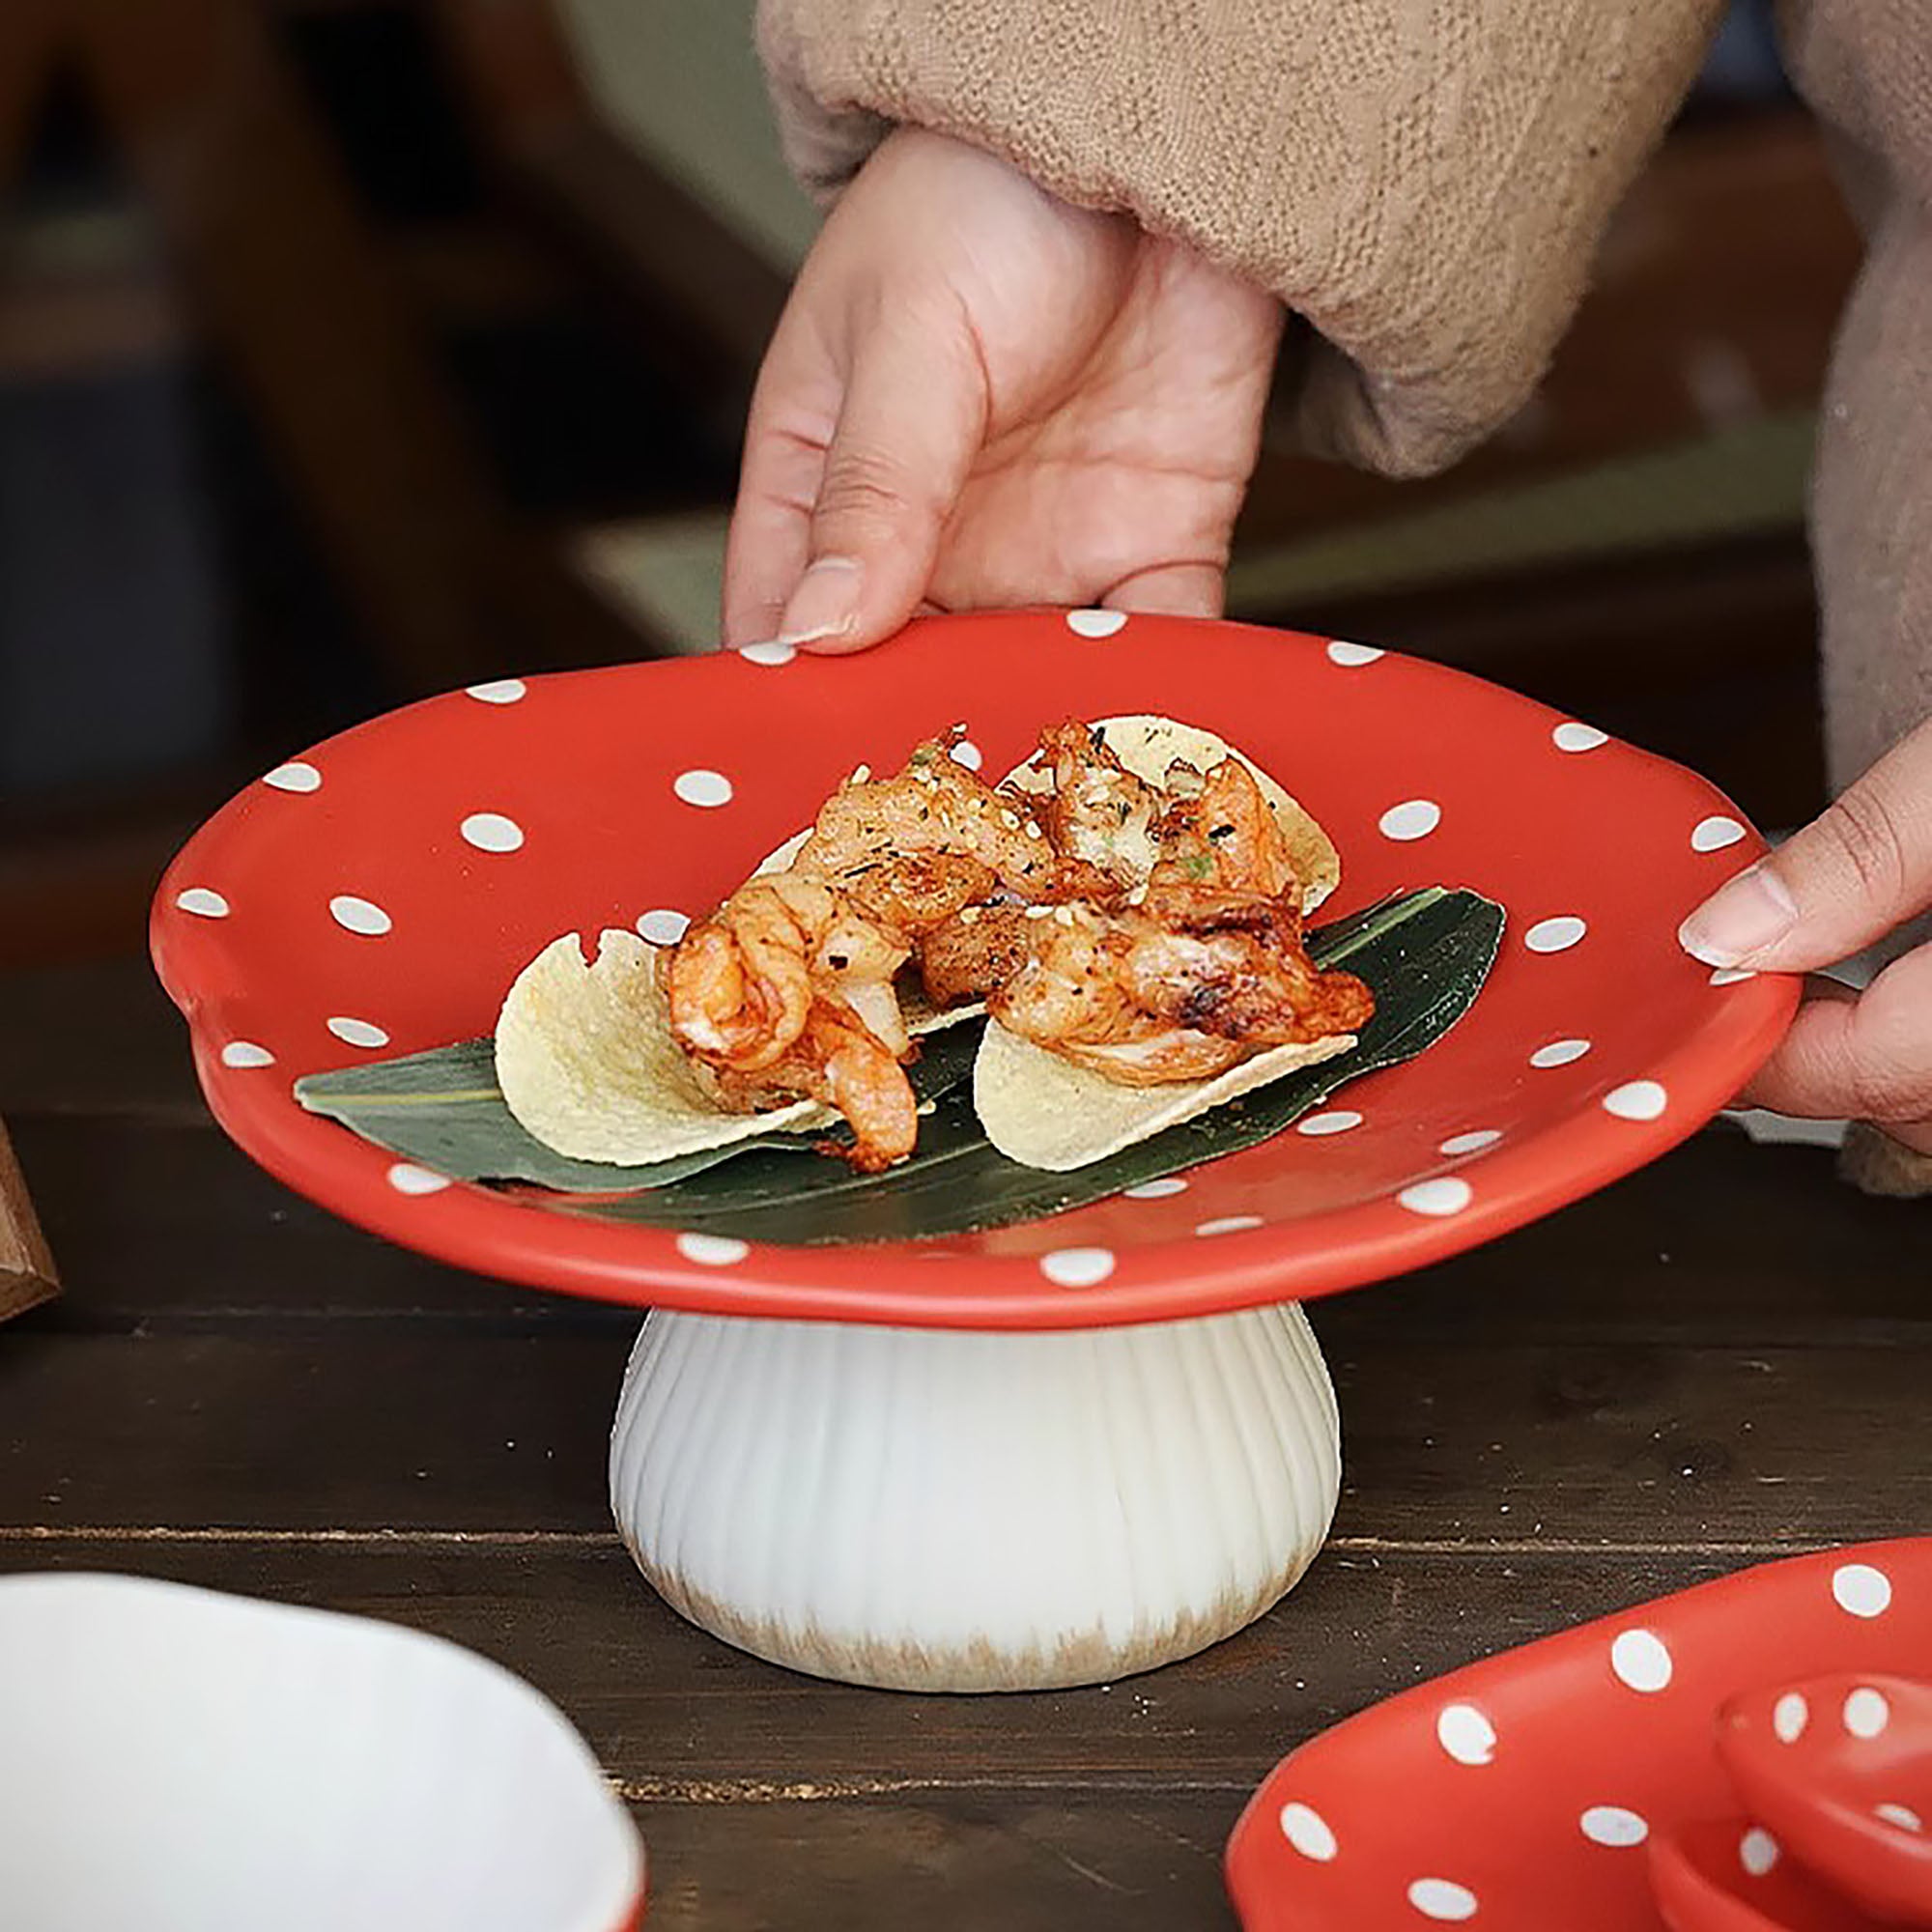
1037 1454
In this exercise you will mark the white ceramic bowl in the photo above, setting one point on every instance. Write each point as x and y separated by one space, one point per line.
176 1760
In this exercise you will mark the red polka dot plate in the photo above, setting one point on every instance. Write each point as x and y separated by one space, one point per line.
379 894
1538 1788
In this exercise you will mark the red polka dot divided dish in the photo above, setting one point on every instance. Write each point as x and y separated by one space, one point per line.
1840 1769
1577 1783
379 894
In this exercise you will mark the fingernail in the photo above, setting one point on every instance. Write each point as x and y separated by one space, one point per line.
1740 921
825 605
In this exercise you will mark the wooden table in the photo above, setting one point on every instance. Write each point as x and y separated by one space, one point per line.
1725 1358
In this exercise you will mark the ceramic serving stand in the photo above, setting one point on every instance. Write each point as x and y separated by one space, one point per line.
1040 1455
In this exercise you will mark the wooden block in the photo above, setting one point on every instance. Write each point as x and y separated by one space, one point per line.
26 1267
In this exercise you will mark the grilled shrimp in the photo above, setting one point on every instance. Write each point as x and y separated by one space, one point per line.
1100 816
934 805
788 988
1225 837
1181 986
742 984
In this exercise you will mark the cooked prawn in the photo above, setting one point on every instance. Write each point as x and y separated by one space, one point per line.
742 984
934 805
1225 837
1183 985
1100 816
788 987
837 1060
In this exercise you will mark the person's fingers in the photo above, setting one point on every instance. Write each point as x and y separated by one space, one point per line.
1860 1057
1195 589
769 539
1846 880
766 552
913 417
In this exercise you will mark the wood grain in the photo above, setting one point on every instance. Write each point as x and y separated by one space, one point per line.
677 1718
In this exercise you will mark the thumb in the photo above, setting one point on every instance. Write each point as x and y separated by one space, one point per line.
912 419
1848 879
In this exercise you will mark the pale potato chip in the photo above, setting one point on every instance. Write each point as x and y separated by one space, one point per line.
1045 1112
1146 745
588 1064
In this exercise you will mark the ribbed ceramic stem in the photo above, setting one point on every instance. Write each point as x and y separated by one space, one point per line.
940 1510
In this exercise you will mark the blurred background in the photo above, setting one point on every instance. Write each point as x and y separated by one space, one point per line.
351 350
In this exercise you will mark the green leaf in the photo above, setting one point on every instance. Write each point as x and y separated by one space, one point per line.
443 1110
1426 955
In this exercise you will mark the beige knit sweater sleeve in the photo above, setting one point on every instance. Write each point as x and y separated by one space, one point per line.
1423 180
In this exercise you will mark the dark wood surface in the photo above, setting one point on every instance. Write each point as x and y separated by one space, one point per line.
1725 1358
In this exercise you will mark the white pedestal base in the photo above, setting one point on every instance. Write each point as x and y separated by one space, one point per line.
939 1510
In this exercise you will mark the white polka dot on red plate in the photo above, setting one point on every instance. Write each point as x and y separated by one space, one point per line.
1352 657
702 788
1713 834
1555 935
1612 1825
1639 1659
1155 1190
204 901
1862 1591
771 651
1867 1714
1473 1141
663 926
1466 1734
360 915
1318 1125
245 1053
1560 1053
298 774
1446 1194
1307 1831
1095 623
712 1250
1732 975
492 831
1757 1852
1412 818
1077 1267
1789 1716
1903 1816
499 691
1228 1224
407 1177
1443 1900
1572 736
969 755
358 1033
1637 1101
